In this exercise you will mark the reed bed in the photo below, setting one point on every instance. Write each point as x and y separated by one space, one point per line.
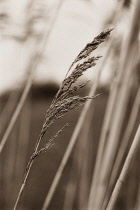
100 152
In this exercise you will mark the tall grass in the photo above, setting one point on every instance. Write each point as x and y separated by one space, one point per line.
64 101
124 172
100 163
31 68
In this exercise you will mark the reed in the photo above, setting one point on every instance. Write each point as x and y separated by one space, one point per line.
123 145
62 103
118 102
98 161
108 116
125 170
72 141
31 68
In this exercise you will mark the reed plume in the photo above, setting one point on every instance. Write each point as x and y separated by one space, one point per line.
64 100
90 47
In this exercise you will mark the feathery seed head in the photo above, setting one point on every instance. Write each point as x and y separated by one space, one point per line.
93 45
64 99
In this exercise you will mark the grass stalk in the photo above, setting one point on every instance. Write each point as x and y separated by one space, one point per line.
9 169
78 183
22 186
120 100
37 59
106 125
84 161
101 148
17 110
73 139
63 102
32 67
125 170
23 142
124 144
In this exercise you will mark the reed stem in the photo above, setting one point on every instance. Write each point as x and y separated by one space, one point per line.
125 170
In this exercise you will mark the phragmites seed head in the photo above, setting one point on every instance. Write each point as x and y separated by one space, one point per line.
64 100
92 45
76 73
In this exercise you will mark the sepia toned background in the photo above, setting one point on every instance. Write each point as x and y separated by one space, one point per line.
39 40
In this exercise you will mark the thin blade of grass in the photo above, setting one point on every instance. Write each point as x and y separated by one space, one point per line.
32 67
24 95
85 157
120 100
124 144
125 170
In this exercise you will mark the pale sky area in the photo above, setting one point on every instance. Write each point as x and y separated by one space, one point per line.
78 22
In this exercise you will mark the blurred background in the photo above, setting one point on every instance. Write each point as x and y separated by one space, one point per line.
39 39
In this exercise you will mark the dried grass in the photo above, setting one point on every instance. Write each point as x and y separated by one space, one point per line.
62 103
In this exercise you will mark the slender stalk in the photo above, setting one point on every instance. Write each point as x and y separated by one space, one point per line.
23 136
105 129
79 172
29 83
124 143
19 107
23 185
125 170
36 59
101 148
9 169
75 135
104 134
121 97
84 161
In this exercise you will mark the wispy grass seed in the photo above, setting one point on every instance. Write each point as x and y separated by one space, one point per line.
64 100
